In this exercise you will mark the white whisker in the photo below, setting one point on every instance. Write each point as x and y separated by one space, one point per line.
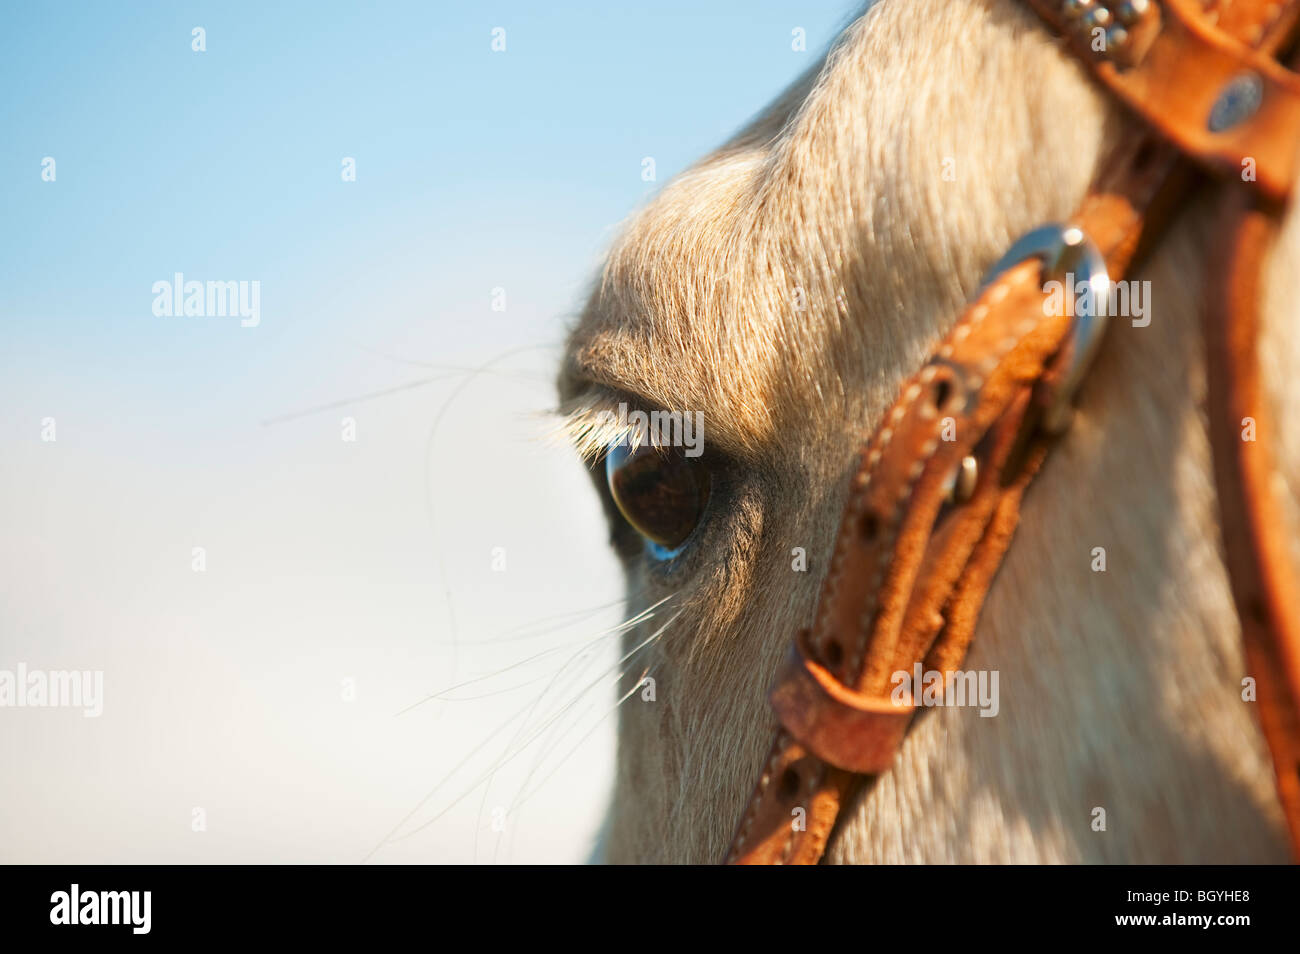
507 758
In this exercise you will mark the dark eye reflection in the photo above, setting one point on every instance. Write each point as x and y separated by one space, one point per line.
659 491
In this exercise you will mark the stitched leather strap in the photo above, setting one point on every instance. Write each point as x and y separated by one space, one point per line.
910 568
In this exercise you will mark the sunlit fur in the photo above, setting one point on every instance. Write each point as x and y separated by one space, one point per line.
1120 689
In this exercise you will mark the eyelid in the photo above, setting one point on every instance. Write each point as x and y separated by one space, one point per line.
661 554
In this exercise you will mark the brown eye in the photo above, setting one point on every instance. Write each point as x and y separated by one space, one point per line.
659 490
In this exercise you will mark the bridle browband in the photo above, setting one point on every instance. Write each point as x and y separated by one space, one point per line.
935 501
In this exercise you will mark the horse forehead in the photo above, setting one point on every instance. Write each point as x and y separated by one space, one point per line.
689 297
748 287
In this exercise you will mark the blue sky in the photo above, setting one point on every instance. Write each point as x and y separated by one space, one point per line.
475 169
327 560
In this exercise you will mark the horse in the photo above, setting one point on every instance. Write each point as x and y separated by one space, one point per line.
784 286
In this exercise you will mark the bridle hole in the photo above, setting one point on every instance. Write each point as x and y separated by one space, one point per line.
789 783
942 393
834 653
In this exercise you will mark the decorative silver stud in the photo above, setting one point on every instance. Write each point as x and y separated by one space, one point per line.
1096 17
1076 8
1129 12
967 474
960 485
1116 37
1238 101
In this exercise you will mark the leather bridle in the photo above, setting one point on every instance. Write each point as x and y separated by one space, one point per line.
935 501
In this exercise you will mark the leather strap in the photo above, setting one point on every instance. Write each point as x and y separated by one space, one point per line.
1263 573
909 569
1213 90
911 566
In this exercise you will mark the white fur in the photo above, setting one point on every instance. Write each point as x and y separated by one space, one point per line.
1120 690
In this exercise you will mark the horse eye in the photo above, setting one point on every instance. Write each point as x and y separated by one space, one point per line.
659 490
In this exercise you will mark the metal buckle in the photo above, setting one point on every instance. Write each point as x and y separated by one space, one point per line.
1064 249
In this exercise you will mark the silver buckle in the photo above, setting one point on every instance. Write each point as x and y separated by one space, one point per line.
1065 250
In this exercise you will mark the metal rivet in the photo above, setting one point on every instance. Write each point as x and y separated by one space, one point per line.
1096 17
1130 12
960 485
1237 102
967 474
1076 8
1116 36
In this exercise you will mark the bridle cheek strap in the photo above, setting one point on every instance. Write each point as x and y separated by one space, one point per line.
934 504
914 554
